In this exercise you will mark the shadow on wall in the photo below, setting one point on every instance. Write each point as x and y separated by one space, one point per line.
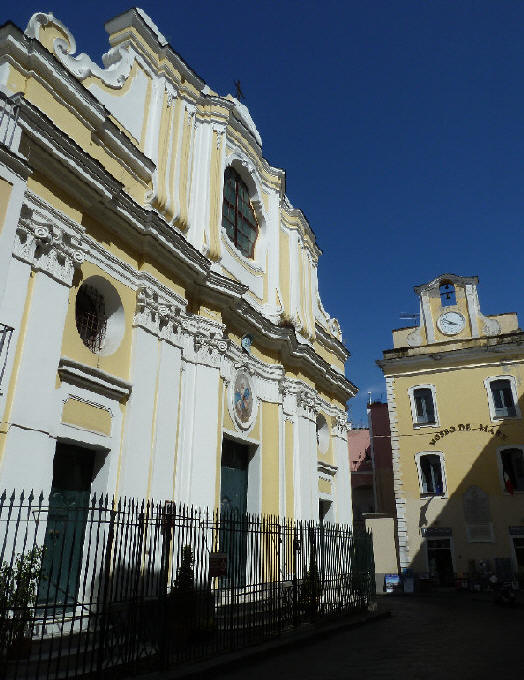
478 527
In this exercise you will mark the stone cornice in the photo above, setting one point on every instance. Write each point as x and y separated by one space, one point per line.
484 351
326 468
453 278
31 57
95 379
283 339
135 19
332 343
14 162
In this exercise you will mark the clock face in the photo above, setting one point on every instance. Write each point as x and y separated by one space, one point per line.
451 323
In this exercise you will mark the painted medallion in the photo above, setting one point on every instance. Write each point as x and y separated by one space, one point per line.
243 397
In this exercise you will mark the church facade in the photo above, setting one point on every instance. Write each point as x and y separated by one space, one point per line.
455 388
162 333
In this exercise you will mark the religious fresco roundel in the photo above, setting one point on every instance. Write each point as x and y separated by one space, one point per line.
243 397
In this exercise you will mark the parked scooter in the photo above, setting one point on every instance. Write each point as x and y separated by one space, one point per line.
504 591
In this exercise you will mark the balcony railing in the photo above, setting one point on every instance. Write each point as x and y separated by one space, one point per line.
9 112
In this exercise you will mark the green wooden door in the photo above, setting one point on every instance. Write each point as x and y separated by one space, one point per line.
233 507
66 524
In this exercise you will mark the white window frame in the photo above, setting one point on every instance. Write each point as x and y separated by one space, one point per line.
425 494
411 392
427 540
514 559
513 384
500 449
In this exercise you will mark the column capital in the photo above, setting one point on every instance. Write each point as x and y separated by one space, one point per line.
47 246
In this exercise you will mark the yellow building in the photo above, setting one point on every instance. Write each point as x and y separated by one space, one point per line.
162 333
455 386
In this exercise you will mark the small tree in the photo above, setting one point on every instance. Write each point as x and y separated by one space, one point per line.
18 591
311 586
185 578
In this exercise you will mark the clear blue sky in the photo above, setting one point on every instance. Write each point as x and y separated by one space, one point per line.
401 127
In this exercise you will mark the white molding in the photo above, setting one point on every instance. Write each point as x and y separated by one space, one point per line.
428 363
500 449
426 494
326 470
94 379
242 112
117 61
473 308
456 280
428 318
513 384
411 393
46 246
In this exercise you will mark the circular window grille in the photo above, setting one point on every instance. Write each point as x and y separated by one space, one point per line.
91 317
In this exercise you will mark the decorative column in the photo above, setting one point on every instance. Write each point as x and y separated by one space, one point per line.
48 254
13 182
199 440
290 484
151 421
344 509
306 501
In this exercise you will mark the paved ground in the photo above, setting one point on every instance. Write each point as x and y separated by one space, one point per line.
435 636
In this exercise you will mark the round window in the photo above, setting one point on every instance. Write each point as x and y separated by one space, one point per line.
99 316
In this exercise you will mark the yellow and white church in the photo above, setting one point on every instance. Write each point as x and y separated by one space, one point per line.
161 330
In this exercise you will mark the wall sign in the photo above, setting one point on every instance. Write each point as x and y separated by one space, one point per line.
217 564
516 531
467 427
435 531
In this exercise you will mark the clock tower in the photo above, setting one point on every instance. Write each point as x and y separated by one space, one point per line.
449 310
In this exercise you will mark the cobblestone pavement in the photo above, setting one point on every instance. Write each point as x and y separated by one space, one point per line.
439 635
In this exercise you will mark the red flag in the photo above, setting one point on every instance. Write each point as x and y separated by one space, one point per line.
507 483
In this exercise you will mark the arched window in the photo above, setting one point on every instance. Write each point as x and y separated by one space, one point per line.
447 294
238 218
431 473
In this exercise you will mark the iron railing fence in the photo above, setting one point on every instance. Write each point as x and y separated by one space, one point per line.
104 587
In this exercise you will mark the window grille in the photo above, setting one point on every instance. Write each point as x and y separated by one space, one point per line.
238 218
91 318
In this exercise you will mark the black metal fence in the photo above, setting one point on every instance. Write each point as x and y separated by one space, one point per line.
133 586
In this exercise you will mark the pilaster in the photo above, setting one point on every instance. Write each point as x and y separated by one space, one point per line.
47 252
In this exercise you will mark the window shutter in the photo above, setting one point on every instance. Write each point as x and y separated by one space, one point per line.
480 533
